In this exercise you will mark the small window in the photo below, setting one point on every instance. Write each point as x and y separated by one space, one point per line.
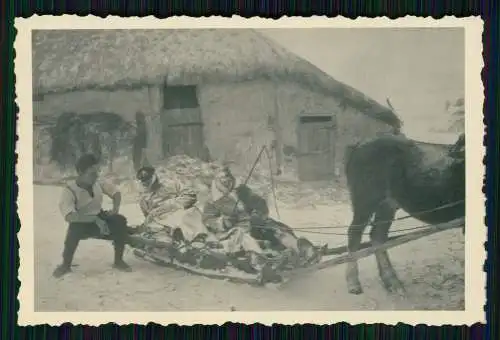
321 118
180 97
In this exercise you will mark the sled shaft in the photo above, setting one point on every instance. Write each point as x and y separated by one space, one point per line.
399 240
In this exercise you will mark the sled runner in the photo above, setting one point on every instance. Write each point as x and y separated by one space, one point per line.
198 259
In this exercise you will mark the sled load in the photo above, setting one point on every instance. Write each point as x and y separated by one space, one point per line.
230 236
212 257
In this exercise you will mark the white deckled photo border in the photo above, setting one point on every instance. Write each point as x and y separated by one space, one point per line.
475 277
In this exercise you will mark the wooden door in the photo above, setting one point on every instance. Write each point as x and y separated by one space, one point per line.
316 147
182 123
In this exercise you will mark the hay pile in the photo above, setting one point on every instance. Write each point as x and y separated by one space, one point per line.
198 175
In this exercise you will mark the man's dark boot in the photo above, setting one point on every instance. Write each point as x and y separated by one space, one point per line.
119 263
70 245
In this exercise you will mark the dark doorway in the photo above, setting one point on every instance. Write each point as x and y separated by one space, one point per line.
182 123
316 146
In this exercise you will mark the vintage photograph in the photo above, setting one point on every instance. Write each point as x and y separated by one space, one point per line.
249 169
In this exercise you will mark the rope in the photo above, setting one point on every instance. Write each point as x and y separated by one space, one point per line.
249 175
262 150
387 221
273 186
307 230
345 234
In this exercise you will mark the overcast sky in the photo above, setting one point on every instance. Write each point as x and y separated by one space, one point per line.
418 69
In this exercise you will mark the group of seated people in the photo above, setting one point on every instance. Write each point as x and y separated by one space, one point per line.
234 218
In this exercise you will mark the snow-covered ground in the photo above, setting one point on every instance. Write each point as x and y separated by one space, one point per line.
431 268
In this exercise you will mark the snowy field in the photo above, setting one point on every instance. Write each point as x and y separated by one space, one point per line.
431 268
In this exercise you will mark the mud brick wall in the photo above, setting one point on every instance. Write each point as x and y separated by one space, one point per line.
238 117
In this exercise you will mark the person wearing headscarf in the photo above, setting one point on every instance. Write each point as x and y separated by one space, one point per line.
241 220
226 216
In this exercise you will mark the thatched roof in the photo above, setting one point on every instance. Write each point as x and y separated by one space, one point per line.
69 60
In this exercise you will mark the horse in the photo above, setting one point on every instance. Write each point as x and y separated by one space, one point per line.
393 172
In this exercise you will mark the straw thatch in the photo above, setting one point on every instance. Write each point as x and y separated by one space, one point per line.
456 111
69 60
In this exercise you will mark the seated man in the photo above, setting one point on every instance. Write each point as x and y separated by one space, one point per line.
81 207
168 206
241 219
155 193
225 212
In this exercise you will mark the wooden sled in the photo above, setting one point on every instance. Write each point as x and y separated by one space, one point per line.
230 275
330 257
164 254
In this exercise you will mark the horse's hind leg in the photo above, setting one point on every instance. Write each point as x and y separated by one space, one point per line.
379 234
355 234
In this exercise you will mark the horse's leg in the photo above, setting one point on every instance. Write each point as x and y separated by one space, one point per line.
355 233
378 235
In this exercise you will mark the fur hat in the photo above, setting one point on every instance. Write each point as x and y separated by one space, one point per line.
147 176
